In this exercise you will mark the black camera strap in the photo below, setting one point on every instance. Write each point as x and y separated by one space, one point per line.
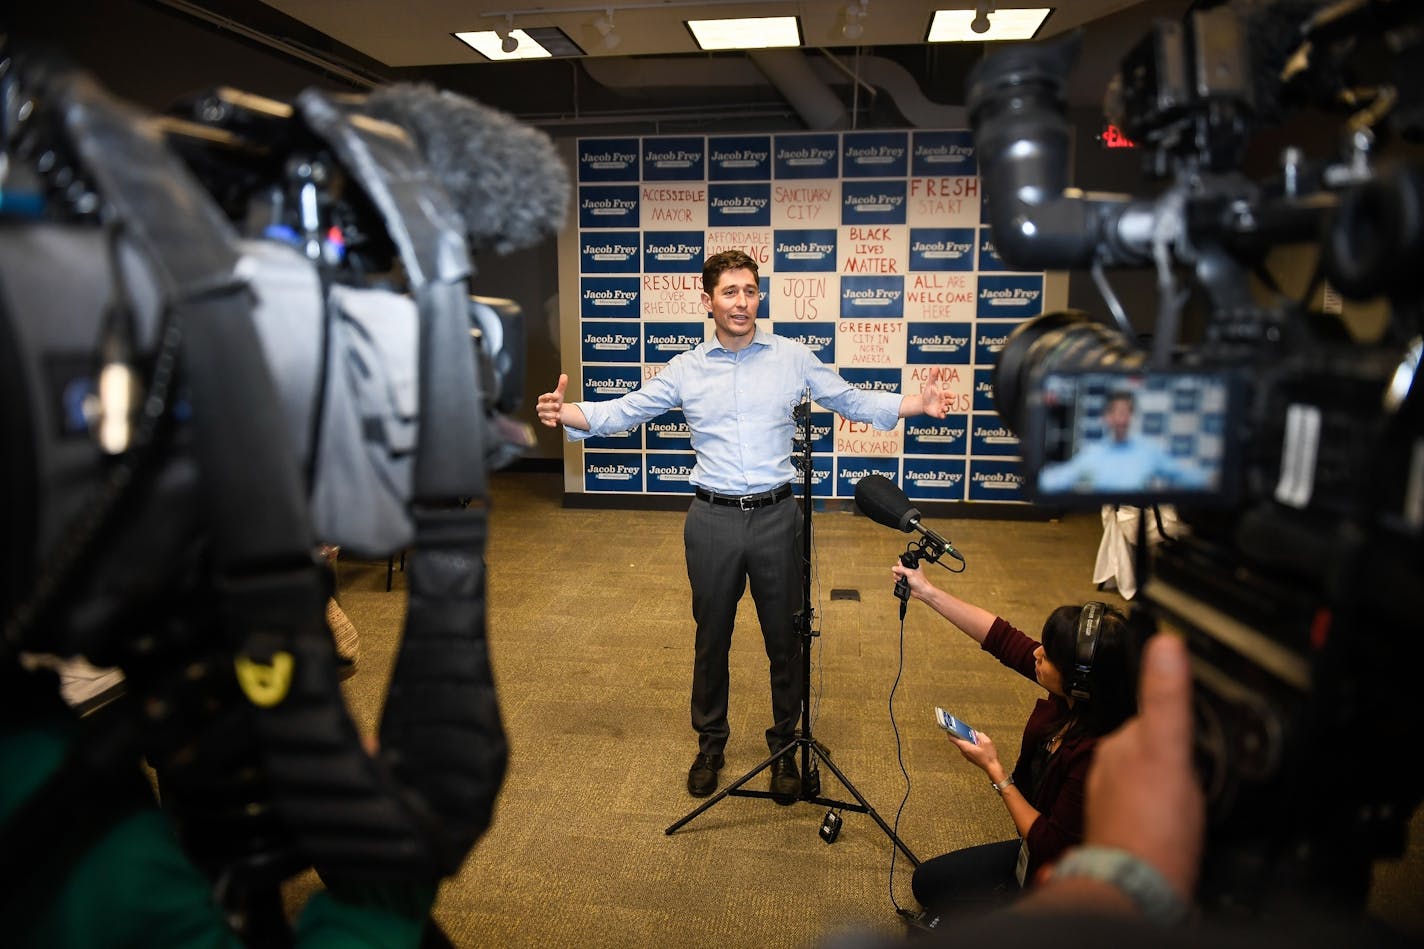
345 808
441 731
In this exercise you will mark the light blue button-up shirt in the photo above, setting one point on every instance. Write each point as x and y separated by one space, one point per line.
738 407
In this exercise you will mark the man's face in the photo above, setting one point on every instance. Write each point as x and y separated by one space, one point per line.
1117 416
733 303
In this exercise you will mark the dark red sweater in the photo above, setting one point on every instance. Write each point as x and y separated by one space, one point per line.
1059 793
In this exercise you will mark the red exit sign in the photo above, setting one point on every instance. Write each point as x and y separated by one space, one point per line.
1112 137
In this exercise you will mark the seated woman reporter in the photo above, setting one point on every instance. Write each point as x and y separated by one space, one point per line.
1082 663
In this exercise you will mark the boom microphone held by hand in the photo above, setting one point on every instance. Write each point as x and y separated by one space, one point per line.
880 500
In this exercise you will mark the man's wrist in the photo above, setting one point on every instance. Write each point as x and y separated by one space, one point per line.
1134 877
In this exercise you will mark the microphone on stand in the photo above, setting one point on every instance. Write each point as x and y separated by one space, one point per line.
802 410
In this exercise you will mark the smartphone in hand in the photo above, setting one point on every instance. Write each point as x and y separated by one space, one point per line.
954 726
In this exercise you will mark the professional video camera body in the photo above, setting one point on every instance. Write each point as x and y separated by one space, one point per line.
228 336
1293 450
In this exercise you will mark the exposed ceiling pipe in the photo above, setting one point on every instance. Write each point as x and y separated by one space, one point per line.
791 73
919 110
648 76
805 83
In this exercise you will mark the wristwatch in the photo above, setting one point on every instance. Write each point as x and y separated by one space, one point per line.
1136 878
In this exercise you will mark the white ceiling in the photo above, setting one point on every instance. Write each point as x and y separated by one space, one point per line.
407 33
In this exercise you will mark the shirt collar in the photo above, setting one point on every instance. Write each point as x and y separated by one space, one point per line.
762 338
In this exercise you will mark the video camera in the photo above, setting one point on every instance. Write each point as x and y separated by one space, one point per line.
230 335
1292 446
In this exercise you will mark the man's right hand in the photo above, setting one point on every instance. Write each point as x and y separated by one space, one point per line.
551 404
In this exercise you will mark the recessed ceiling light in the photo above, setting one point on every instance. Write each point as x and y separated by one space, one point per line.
758 32
490 44
953 26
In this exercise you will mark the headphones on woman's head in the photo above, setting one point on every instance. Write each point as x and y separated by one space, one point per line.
1090 621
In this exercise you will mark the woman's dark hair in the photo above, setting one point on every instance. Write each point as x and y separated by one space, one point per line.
1113 684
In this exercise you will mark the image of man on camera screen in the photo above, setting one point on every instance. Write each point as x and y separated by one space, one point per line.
1122 459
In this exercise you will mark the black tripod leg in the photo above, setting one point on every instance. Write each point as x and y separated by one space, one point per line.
865 805
735 786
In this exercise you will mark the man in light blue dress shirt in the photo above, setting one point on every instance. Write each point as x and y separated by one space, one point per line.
738 391
1122 461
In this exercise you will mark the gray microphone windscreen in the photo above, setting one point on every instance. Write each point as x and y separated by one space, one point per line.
505 177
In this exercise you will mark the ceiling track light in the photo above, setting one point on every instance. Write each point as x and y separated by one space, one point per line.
604 26
980 23
507 41
855 13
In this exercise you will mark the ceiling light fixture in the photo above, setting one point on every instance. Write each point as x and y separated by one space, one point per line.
855 13
764 32
604 26
975 26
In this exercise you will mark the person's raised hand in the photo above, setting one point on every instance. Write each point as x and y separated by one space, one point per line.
935 395
551 404
914 576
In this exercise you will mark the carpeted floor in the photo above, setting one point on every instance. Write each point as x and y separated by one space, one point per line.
591 638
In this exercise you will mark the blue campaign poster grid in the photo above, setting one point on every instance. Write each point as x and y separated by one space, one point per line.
874 251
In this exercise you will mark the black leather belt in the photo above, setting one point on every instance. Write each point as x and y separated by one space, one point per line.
747 502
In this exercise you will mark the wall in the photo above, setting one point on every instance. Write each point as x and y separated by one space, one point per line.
872 252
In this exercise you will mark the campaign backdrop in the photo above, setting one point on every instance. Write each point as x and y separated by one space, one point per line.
873 250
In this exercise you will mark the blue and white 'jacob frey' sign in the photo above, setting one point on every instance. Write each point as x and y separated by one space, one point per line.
873 202
942 248
608 298
609 251
670 473
935 344
937 479
608 159
746 204
1009 298
875 155
669 432
675 159
809 251
673 251
613 471
662 341
608 206
871 297
820 338
993 480
943 154
613 341
936 436
739 158
815 155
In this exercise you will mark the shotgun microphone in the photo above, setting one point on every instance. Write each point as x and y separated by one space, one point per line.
880 500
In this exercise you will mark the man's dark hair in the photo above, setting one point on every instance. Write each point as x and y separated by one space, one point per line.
719 264
1118 395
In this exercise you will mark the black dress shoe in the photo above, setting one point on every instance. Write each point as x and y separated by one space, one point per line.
785 780
702 776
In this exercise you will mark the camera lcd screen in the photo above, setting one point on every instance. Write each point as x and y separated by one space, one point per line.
1144 437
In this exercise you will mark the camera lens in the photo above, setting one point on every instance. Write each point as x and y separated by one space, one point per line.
1067 340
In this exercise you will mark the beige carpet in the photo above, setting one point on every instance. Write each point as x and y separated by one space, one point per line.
591 638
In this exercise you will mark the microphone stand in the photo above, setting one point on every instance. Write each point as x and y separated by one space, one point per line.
813 753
